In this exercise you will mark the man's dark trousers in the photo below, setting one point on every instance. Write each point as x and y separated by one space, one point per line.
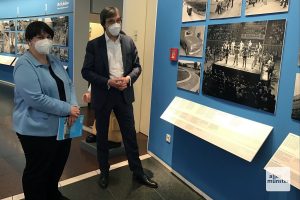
125 117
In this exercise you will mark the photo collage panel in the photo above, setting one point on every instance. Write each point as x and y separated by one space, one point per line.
12 36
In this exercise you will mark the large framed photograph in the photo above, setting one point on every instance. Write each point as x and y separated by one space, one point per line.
243 61
188 76
257 7
193 10
225 8
296 99
191 41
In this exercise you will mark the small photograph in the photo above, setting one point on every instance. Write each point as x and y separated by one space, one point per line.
64 54
257 7
22 48
12 42
60 28
21 37
12 25
188 76
194 10
225 8
191 41
5 25
55 51
296 99
6 43
22 24
243 61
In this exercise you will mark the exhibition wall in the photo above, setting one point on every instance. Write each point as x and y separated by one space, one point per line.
15 15
215 172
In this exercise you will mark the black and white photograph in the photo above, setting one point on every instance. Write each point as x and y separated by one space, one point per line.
21 37
60 28
296 99
243 61
191 41
22 48
64 54
22 24
194 10
258 7
188 77
225 8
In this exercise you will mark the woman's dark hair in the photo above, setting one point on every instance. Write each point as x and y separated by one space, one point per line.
37 28
107 12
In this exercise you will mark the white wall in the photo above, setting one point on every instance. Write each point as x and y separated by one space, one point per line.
140 25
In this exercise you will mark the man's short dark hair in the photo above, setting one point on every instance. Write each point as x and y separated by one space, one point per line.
37 28
107 12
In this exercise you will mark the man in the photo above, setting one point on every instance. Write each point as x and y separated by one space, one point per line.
112 65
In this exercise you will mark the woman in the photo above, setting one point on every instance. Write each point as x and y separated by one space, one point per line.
43 93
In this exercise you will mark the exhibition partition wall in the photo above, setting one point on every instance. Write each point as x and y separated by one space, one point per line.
15 15
235 57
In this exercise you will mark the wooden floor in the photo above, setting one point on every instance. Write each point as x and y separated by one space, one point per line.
12 159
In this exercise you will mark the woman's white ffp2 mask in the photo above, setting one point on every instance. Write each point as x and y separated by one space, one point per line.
43 46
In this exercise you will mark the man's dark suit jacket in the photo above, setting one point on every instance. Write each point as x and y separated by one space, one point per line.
96 69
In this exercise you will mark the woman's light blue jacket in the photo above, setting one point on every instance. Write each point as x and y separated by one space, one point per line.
37 107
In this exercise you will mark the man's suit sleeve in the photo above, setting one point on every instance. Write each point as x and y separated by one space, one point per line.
136 67
88 70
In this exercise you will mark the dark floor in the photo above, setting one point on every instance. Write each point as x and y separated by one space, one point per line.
122 186
12 159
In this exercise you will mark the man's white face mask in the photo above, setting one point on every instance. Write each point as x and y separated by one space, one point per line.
43 46
114 29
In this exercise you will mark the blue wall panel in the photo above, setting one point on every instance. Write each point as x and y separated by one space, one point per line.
6 73
218 173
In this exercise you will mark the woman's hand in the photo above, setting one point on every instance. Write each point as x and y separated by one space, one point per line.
71 120
75 111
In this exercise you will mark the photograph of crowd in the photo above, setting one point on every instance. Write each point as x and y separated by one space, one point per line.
188 76
243 61
191 41
225 8
60 27
296 99
257 7
193 10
